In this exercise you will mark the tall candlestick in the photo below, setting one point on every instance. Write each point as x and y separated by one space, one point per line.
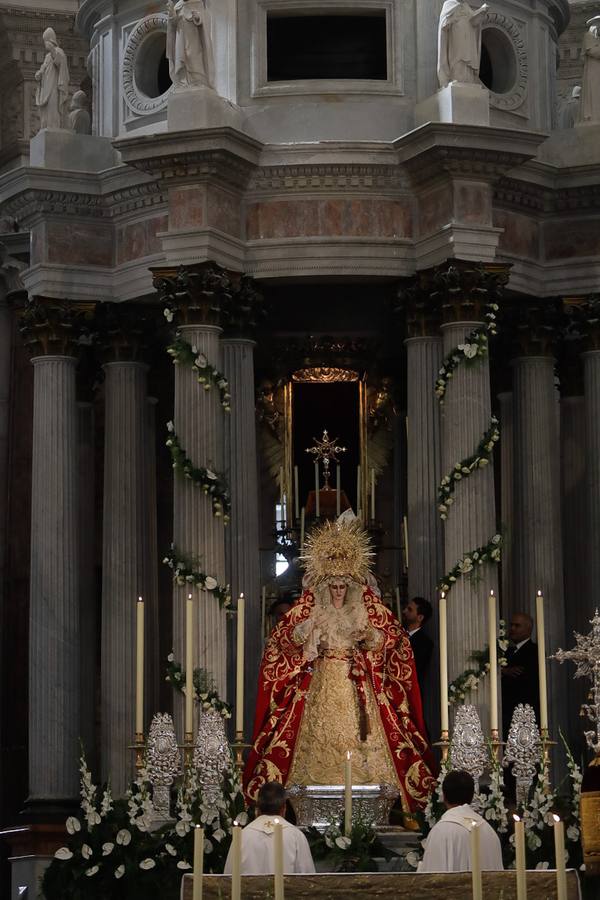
189 666
139 669
493 645
348 794
263 611
236 863
317 492
541 645
198 863
443 663
559 852
358 493
476 863
520 858
278 860
373 494
296 494
338 491
302 521
239 683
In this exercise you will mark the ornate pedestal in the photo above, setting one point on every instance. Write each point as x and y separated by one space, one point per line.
320 805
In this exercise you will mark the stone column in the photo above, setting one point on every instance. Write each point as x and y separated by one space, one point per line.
199 421
507 594
471 522
54 637
425 545
538 544
124 552
591 372
87 577
242 535
154 672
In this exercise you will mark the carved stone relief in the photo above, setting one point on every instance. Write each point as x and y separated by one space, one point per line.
513 31
136 99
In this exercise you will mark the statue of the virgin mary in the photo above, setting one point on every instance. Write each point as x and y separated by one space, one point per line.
338 675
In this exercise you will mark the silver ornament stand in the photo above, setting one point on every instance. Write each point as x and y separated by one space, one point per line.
523 749
163 763
468 750
586 656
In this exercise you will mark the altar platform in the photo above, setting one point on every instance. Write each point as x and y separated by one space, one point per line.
397 886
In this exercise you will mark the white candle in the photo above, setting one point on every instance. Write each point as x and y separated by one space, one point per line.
520 858
236 863
263 611
139 668
278 860
541 645
338 491
296 494
493 645
189 665
443 663
358 493
559 852
198 863
373 494
348 794
302 520
476 863
239 684
317 492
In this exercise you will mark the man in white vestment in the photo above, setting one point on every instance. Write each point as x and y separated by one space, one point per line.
448 846
459 42
257 838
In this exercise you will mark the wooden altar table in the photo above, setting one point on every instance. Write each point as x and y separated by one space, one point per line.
541 885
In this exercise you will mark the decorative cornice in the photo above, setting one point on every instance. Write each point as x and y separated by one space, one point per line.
325 177
35 202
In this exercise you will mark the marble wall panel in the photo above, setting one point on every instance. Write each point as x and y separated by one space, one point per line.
138 239
223 211
80 243
329 217
521 235
472 203
186 207
38 244
435 209
569 239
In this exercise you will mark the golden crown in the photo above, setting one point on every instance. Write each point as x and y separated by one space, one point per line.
337 550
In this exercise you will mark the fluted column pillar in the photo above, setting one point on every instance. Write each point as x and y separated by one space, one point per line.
123 557
54 635
538 545
154 673
591 372
87 580
507 594
242 535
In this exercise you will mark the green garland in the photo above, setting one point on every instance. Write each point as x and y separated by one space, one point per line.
205 691
467 466
470 678
469 564
210 482
186 571
185 353
475 346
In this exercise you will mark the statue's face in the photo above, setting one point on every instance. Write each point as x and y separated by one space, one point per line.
337 591
48 45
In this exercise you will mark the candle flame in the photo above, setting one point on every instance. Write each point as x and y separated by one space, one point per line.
140 600
443 597
539 593
516 817
556 818
189 596
276 821
348 754
242 595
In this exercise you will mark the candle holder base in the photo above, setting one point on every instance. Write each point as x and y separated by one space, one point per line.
547 744
238 746
444 745
188 748
139 748
496 744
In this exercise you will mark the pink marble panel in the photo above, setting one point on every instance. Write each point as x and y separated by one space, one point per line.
328 217
38 244
223 211
521 235
435 209
472 203
78 243
138 239
186 207
568 239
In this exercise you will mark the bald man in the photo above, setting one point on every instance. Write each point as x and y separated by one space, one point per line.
520 680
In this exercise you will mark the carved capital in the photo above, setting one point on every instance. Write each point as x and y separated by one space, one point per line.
584 320
462 290
422 314
244 310
124 331
196 295
570 368
537 326
52 327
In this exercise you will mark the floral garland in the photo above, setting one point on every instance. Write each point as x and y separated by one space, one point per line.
205 691
202 477
185 571
469 680
467 466
491 552
207 375
475 346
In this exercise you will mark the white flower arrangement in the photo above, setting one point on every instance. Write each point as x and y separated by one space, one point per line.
469 680
478 460
491 552
187 571
474 347
202 477
207 375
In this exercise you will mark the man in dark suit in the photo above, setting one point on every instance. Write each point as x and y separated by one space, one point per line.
416 613
520 677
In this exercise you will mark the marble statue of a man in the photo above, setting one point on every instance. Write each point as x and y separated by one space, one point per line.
590 88
459 42
52 83
189 48
79 117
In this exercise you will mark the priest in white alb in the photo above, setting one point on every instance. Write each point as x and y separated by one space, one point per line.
257 838
448 845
